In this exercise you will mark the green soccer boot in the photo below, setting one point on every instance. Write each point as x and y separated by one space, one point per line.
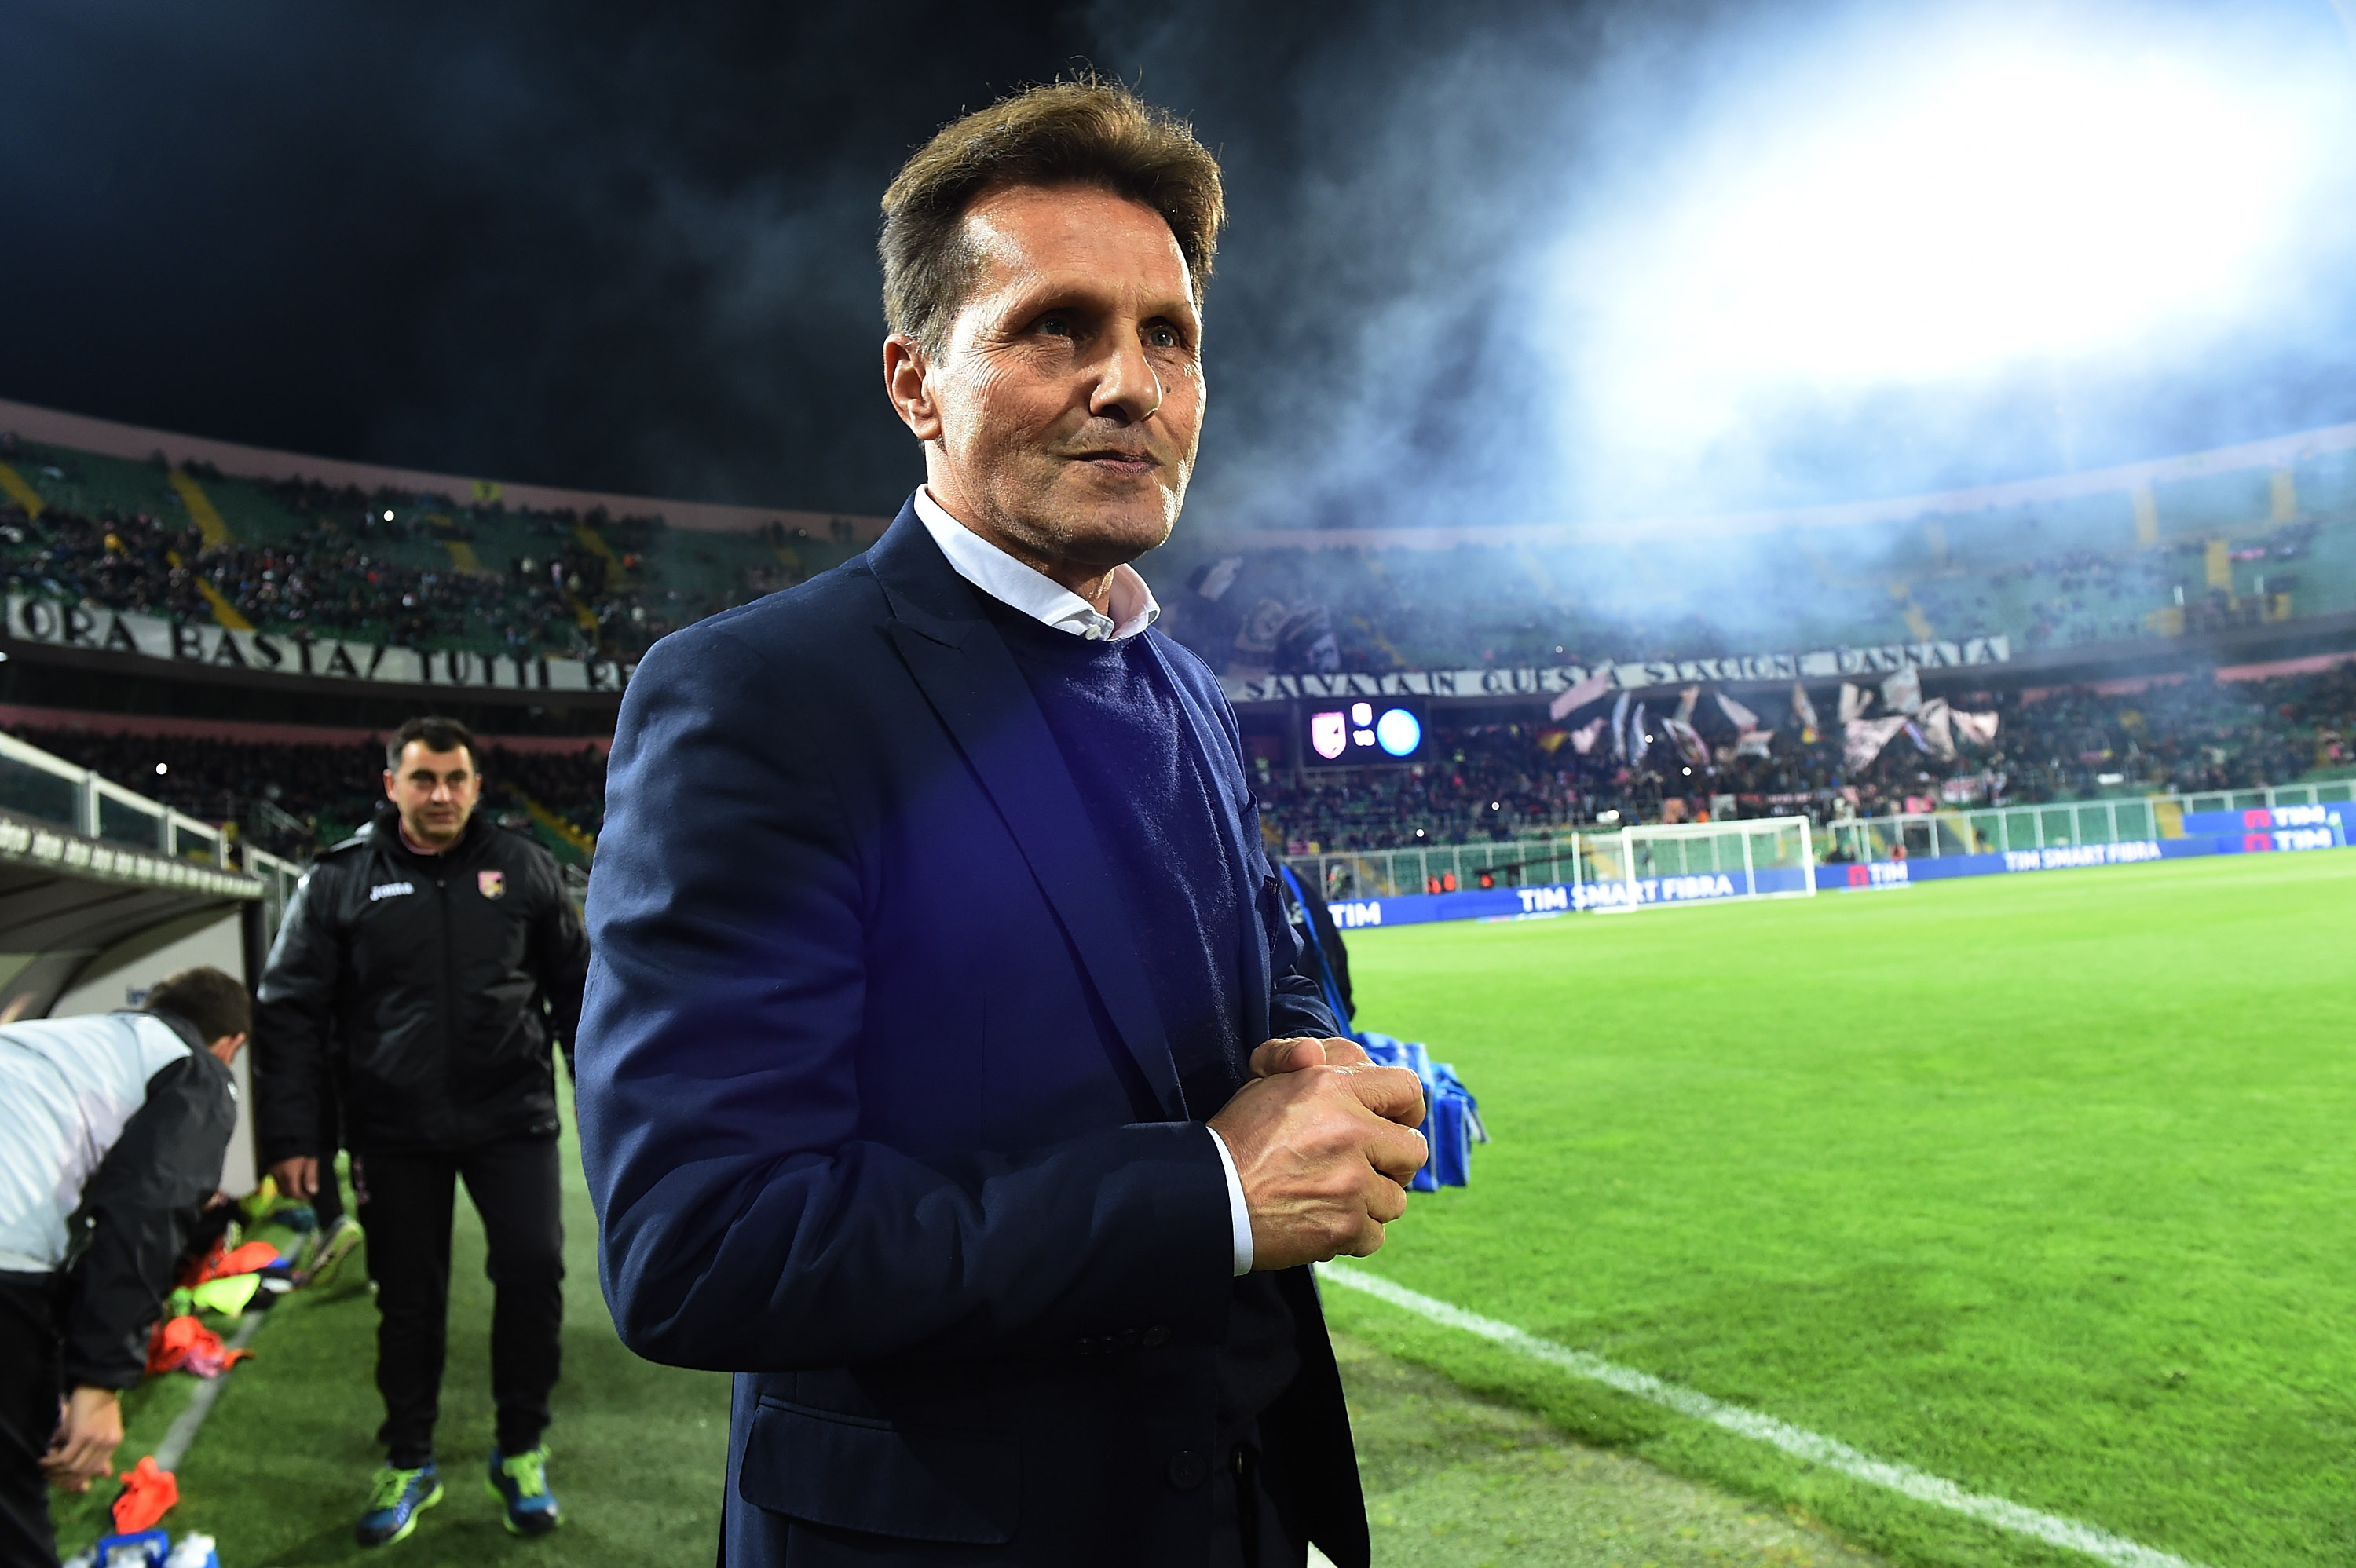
398 1498
520 1483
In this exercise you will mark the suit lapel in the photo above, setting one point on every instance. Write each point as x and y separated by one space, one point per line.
962 666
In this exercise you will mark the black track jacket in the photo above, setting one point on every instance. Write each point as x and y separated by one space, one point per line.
427 986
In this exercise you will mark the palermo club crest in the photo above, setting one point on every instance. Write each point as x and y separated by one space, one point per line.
491 883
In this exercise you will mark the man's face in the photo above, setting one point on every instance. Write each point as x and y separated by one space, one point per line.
435 791
1065 407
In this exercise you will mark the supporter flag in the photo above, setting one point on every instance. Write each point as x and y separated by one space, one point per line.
1213 581
1854 701
1550 740
1685 700
1805 712
1583 739
1933 720
1902 692
1979 729
1637 743
1579 696
1619 726
1862 739
1965 790
1753 742
1744 719
1689 740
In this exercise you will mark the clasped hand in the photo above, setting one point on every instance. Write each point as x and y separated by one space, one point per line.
1324 1143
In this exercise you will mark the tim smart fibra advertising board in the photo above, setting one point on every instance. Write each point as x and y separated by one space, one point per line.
2284 827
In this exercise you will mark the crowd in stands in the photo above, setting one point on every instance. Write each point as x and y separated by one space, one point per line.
1502 780
1292 611
428 572
389 568
1477 784
326 584
293 799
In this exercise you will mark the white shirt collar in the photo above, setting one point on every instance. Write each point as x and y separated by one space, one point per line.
1034 593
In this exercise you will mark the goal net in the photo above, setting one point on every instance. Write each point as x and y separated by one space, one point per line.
1770 857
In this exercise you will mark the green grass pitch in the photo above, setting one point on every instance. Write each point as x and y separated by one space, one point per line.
2038 1183
280 1471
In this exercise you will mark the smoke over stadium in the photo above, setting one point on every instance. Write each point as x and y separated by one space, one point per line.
1648 266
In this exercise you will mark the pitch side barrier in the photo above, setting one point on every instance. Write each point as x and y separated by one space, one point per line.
2286 828
2277 830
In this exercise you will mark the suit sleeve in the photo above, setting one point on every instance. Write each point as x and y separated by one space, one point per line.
745 1224
134 1217
1296 1000
294 1007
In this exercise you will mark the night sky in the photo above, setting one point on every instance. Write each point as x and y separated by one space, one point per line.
631 248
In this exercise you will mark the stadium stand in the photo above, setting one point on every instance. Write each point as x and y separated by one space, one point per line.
2256 538
2141 561
2155 568
1491 782
294 796
1501 781
403 568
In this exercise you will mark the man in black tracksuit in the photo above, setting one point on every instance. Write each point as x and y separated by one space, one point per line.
425 965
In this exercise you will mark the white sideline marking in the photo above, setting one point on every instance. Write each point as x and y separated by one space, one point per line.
183 1430
2052 1528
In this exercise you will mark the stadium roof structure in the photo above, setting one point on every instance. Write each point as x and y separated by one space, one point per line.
111 439
87 866
2135 485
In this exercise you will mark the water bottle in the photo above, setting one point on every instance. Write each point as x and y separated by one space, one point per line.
193 1551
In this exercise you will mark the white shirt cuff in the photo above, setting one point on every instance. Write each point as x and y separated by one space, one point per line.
1238 1211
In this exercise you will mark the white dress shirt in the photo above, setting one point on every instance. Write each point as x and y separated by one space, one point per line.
1049 602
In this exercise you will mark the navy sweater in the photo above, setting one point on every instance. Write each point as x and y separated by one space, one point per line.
1122 734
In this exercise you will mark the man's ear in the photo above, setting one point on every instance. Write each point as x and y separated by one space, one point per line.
226 1047
906 381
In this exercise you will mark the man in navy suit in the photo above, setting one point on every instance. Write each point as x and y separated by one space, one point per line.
945 1072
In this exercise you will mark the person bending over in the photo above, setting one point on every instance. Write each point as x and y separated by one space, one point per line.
112 1130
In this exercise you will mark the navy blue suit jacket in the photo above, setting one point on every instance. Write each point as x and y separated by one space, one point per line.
877 1108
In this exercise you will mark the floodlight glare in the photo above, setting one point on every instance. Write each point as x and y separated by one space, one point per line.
1936 197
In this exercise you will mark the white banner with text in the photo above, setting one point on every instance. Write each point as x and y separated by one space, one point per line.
1825 663
102 630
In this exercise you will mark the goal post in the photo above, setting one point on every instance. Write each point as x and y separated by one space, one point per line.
1760 858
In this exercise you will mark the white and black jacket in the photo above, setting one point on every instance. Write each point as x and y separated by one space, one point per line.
113 1131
